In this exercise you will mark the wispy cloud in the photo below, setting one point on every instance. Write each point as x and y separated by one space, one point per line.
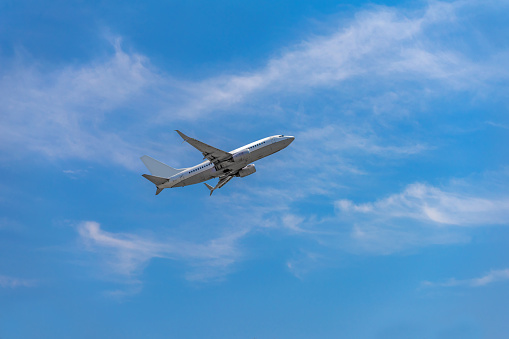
421 215
76 173
378 63
12 282
424 215
333 152
62 113
128 254
345 139
379 43
93 111
431 204
304 262
489 278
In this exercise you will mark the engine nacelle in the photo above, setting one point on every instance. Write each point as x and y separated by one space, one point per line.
248 170
241 156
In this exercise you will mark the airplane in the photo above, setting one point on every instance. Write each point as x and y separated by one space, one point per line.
219 164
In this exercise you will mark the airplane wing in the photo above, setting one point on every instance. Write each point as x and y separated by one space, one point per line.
213 154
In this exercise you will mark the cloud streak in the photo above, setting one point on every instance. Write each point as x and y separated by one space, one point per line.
382 43
62 113
379 63
128 254
426 203
104 111
423 215
12 282
494 276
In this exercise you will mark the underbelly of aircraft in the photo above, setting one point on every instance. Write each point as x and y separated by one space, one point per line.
195 179
259 153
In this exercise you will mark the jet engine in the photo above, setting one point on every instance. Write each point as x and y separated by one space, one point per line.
248 170
241 156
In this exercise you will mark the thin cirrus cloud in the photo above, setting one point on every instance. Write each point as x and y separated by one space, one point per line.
382 43
423 215
60 113
13 282
335 139
128 254
74 111
426 203
491 277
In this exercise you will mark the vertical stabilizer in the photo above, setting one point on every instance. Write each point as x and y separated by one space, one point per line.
159 169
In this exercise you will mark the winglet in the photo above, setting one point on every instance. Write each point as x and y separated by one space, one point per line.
210 188
182 135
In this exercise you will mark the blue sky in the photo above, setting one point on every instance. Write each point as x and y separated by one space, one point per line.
386 218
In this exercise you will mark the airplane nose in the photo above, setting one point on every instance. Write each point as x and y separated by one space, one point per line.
288 140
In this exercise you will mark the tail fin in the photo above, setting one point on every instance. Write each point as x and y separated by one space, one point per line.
159 169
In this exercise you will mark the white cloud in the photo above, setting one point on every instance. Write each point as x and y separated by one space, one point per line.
12 282
305 262
62 113
107 109
431 204
379 44
103 110
489 278
423 215
347 139
128 254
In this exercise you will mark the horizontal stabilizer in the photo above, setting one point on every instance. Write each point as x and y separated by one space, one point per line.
222 181
155 180
210 188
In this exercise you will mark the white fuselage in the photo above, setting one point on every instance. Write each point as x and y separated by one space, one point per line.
207 170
